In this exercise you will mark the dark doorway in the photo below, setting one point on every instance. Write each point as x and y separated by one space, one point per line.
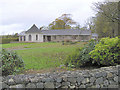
24 38
49 38
20 38
43 38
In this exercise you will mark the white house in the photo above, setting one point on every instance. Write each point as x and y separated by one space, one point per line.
36 35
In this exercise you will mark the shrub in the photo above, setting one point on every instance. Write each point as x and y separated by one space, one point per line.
107 52
11 62
81 56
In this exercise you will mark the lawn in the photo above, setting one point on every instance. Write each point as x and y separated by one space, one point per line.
29 45
14 45
43 55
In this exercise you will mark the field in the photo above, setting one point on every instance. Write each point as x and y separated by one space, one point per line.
46 55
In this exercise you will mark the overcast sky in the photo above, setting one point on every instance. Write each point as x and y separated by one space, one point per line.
20 15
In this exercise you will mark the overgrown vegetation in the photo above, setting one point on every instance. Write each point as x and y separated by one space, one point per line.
11 62
107 52
51 55
104 53
81 56
43 55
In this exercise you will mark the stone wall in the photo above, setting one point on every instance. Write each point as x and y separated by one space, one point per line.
105 77
70 37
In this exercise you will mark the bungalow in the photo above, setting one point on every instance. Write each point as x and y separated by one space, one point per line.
36 35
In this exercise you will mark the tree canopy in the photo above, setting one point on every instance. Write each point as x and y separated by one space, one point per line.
63 22
107 19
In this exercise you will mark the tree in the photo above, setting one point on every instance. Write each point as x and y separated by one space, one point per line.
102 27
108 10
90 24
107 19
119 18
43 28
16 35
62 22
77 26
83 28
57 24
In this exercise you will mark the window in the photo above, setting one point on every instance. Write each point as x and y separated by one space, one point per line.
30 37
36 37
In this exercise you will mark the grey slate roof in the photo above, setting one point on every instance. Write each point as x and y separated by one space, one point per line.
34 29
22 33
66 32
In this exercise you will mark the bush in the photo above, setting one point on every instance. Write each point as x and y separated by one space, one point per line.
11 62
107 52
81 56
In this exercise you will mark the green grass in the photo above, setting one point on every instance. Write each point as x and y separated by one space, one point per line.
11 45
43 55
29 45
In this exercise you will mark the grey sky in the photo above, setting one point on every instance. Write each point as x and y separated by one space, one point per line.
19 15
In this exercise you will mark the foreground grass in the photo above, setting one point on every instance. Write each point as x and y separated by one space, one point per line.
43 55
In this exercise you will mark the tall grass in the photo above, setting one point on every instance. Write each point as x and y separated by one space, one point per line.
43 55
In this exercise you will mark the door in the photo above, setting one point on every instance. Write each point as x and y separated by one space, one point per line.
44 38
48 38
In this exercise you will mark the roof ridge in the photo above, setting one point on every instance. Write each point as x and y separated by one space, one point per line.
34 26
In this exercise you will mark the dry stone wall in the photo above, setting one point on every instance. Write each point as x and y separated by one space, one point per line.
105 77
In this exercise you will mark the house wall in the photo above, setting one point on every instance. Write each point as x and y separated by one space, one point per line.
21 38
69 37
44 38
33 38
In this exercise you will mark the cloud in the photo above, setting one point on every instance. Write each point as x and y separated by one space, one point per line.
17 14
10 29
